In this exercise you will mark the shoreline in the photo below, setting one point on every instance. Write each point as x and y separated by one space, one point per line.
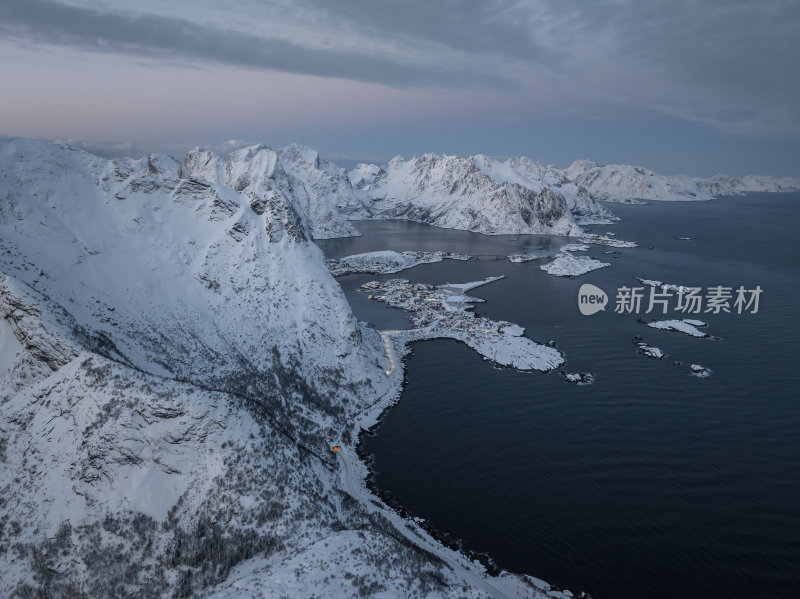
367 459
480 563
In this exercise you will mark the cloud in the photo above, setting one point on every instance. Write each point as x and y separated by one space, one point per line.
727 64
117 149
54 23
495 28
730 64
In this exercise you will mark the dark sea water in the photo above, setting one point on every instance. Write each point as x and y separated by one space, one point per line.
649 482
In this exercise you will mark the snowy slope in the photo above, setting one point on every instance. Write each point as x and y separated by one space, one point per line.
181 362
584 207
322 187
294 177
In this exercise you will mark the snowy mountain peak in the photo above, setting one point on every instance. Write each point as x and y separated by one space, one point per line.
306 197
363 175
300 153
161 163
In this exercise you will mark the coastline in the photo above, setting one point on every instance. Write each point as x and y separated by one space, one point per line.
452 550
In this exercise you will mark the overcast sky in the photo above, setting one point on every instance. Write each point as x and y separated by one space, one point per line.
679 86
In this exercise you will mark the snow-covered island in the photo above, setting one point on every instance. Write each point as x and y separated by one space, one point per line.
521 258
606 240
568 265
574 247
647 350
660 285
444 312
578 378
687 325
387 262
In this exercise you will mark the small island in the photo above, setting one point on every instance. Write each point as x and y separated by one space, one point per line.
387 262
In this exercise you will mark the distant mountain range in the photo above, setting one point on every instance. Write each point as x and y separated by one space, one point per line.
479 193
474 193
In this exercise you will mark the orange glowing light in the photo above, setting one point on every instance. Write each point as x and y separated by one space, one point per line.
335 448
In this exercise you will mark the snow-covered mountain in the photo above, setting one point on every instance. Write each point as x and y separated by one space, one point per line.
622 183
317 194
323 183
533 175
482 194
462 193
475 193
176 363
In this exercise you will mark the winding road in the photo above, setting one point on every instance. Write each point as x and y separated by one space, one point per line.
387 344
389 352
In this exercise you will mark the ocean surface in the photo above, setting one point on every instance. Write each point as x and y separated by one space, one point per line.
649 482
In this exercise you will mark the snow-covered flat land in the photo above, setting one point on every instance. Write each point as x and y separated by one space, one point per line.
387 261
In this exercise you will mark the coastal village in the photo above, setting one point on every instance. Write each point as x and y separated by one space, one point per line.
444 311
